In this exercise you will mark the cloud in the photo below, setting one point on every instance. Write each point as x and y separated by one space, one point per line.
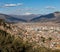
12 5
28 13
50 7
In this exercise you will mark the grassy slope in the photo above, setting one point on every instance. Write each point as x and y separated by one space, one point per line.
8 43
12 43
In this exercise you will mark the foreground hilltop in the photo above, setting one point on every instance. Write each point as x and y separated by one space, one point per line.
9 27
27 38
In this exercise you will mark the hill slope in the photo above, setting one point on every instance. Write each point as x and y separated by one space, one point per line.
11 18
26 17
52 17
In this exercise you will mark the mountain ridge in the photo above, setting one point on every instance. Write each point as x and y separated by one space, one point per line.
10 18
51 17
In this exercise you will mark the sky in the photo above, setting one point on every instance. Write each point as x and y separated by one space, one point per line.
27 7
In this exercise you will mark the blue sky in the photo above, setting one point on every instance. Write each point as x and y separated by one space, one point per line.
20 7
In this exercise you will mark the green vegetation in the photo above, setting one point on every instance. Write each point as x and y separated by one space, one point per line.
4 24
43 39
10 43
49 38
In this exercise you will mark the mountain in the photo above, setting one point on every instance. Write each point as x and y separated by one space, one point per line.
52 17
26 17
10 18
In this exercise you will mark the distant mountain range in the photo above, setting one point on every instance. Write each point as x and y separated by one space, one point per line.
52 17
10 18
26 17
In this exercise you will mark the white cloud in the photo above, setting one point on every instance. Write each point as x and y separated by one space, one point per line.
11 5
19 4
50 7
27 13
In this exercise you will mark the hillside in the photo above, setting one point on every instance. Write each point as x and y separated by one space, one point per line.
52 17
19 42
9 18
26 17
